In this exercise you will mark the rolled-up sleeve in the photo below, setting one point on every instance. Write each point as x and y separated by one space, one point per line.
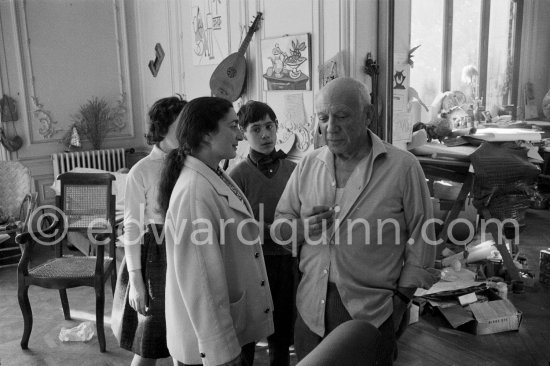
289 205
134 213
418 209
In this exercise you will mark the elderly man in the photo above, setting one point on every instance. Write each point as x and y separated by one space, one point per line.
356 210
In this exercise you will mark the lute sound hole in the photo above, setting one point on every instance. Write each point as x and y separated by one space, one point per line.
231 72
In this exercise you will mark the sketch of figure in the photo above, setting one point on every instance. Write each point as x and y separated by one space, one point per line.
210 40
198 28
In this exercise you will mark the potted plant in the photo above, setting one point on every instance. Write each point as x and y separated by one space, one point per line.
95 119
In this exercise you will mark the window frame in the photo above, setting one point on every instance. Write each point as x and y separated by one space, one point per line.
446 62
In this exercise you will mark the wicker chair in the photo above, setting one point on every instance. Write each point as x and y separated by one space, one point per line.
15 195
15 184
86 204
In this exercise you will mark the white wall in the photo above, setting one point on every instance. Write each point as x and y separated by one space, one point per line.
65 52
58 55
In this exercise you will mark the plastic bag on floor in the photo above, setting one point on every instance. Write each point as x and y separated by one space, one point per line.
83 332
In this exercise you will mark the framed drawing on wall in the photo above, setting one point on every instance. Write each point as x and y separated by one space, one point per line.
286 62
210 31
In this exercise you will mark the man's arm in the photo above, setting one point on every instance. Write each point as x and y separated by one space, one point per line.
420 255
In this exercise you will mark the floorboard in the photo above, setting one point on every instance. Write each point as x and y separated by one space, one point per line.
430 342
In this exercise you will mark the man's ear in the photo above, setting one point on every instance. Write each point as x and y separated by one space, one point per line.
369 114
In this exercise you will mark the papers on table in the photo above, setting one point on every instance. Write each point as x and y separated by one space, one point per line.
506 134
444 286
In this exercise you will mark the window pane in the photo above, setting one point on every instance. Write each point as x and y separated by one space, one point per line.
465 51
499 64
426 73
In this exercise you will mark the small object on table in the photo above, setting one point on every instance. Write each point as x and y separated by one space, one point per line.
502 288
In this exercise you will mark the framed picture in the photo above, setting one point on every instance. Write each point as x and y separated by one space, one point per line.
286 62
210 40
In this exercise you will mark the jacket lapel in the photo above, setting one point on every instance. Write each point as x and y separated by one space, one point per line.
219 185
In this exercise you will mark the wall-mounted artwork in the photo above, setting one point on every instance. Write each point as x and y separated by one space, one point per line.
210 31
332 69
286 62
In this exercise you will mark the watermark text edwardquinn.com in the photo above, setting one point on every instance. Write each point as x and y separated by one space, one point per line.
203 231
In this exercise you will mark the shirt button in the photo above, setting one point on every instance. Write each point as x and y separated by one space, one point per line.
333 184
322 301
262 283
256 255
203 355
266 311
325 271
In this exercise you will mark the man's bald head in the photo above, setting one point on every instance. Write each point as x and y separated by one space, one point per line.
344 114
347 86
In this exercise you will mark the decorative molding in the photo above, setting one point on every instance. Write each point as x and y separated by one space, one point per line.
125 104
177 54
352 38
42 185
42 117
317 42
345 35
121 112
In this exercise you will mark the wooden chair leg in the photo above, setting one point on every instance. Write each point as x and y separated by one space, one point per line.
65 304
25 305
99 310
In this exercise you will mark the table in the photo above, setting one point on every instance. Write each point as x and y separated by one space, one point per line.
459 171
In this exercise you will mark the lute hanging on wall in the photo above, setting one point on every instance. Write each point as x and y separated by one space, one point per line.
229 78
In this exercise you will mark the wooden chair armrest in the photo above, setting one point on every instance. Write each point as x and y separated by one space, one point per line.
23 238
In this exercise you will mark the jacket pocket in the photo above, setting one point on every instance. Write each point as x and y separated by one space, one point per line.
238 313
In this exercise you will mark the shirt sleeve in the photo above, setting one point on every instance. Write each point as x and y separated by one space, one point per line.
200 275
289 206
134 216
418 209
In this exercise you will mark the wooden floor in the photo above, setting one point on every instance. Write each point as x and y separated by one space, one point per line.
428 342
431 342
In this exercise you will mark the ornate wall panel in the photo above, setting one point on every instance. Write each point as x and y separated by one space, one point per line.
72 52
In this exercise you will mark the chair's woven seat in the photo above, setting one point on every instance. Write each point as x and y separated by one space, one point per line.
68 267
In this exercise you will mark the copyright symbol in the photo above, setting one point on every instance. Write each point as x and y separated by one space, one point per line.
44 218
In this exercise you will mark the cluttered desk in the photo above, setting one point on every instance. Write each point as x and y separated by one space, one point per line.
494 169
474 297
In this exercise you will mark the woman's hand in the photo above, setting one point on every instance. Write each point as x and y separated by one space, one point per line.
137 297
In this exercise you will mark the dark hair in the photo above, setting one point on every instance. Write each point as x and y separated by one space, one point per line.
161 115
198 118
254 111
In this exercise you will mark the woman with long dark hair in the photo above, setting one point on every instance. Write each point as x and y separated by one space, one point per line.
138 308
218 302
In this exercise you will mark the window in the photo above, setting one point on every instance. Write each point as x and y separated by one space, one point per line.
467 45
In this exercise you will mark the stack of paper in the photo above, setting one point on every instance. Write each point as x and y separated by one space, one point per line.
507 134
